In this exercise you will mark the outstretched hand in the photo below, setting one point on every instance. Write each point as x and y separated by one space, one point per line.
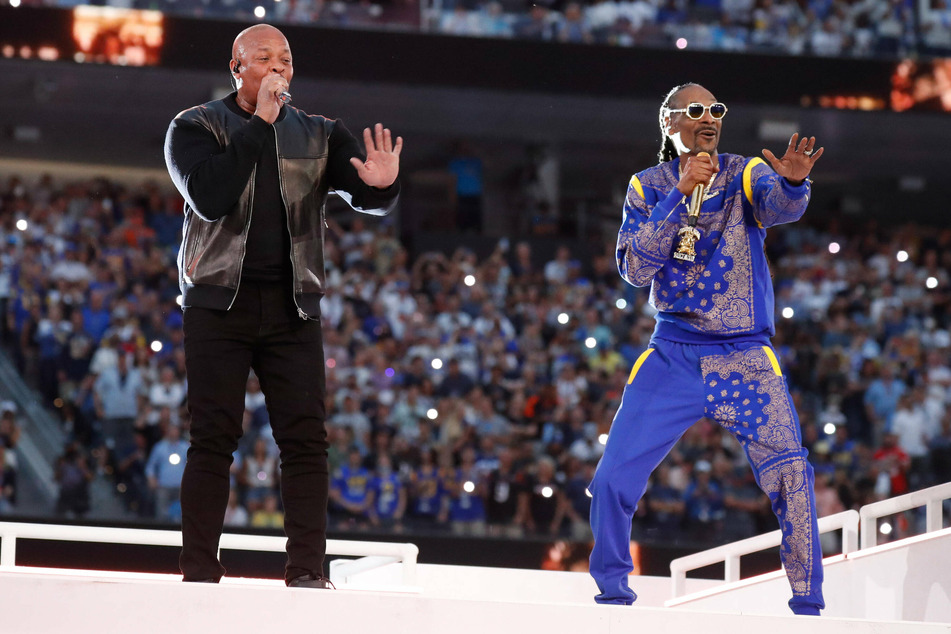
797 162
383 158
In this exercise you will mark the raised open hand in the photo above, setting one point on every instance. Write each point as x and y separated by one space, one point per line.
383 158
797 162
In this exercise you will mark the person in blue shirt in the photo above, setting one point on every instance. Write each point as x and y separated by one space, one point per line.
350 490
710 354
466 497
387 495
164 470
426 490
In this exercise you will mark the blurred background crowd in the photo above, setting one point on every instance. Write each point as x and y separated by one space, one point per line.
853 28
470 392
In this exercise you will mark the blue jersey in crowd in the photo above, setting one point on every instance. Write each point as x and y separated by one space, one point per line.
353 484
386 489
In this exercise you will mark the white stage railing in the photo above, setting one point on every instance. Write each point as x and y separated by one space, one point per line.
931 498
374 554
729 554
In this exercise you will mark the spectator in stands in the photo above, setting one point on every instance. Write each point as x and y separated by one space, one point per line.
117 391
504 485
542 502
426 491
131 477
8 483
9 428
236 515
168 391
914 427
464 503
73 476
535 25
892 463
939 452
387 501
164 469
881 400
703 499
269 515
259 475
350 491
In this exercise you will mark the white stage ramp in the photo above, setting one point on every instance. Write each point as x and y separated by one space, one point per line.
903 587
54 601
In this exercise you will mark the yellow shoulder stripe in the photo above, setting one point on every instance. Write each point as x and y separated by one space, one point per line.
636 184
748 178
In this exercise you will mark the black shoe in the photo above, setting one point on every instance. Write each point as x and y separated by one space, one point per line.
200 580
311 581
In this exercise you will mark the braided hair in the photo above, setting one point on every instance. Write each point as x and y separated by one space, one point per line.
667 150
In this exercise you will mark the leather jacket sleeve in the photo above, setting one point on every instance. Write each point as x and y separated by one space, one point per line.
211 178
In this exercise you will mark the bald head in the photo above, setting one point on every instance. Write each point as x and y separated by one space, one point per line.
246 38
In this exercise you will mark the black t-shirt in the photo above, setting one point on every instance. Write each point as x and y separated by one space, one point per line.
502 502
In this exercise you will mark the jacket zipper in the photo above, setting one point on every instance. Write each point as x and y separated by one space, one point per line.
247 227
287 215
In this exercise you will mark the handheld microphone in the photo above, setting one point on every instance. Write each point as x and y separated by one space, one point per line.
284 97
696 199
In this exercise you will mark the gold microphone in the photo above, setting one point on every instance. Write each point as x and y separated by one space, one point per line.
689 234
696 199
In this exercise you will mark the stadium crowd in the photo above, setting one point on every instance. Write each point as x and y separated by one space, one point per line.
467 394
848 28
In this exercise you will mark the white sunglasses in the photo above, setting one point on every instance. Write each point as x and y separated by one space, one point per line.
696 110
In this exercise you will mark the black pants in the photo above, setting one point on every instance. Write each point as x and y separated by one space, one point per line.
261 331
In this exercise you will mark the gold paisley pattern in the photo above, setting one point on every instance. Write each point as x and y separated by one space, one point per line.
774 449
780 208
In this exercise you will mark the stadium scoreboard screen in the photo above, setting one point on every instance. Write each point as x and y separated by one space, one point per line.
90 34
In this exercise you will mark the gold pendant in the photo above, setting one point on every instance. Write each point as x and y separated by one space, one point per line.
685 250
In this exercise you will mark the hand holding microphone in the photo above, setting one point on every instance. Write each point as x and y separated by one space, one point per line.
696 198
697 175
272 94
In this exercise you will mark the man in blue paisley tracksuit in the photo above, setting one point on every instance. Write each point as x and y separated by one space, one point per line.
710 354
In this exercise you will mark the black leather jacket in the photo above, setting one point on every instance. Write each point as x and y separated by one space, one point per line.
213 245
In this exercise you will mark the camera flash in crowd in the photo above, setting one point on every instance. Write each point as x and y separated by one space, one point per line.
432 413
788 313
437 364
590 343
902 256
156 346
563 318
468 486
834 247
22 224
174 459
621 303
931 282
469 280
